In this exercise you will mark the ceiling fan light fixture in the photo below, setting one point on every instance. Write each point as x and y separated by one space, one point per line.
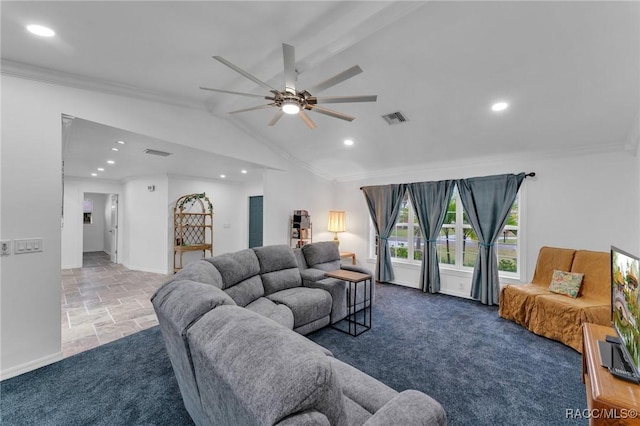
290 107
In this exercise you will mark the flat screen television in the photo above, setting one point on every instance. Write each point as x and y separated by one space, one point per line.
625 305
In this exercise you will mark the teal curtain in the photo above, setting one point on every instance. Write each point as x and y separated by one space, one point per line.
430 201
384 202
487 202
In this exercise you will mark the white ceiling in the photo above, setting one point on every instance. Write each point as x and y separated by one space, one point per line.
568 69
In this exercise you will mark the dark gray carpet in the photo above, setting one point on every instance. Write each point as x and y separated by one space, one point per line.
484 370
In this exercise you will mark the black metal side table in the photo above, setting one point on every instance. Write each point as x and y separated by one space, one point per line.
352 279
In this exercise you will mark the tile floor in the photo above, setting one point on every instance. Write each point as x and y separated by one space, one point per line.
103 301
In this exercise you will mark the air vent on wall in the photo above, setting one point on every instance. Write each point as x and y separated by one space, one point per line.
156 152
394 118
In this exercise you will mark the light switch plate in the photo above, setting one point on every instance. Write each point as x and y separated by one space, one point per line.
29 245
5 247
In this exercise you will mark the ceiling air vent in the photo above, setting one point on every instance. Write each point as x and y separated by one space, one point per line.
156 152
394 118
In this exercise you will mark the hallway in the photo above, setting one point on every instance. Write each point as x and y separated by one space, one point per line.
103 301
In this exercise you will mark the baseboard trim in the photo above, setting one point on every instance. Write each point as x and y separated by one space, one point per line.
30 366
143 269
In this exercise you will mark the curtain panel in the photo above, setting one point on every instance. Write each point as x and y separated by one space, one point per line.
430 201
487 201
384 202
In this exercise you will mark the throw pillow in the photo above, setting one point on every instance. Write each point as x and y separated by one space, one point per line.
566 283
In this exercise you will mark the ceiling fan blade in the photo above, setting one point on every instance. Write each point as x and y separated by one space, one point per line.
338 78
289 55
243 72
233 93
308 121
332 113
341 99
251 109
276 117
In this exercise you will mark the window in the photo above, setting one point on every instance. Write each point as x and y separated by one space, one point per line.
457 242
405 241
87 211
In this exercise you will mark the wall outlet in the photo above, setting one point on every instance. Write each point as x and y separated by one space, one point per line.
5 247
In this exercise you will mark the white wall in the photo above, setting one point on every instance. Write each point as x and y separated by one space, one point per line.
72 229
586 201
230 212
295 189
93 234
145 234
31 205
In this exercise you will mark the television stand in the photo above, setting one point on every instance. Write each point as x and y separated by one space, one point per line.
606 393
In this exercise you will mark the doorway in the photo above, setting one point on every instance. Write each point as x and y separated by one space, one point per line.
100 225
255 221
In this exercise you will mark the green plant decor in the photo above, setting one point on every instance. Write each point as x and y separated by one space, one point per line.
192 199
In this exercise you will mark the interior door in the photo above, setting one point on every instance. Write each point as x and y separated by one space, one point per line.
113 231
255 221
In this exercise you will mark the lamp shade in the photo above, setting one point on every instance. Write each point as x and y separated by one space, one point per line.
337 221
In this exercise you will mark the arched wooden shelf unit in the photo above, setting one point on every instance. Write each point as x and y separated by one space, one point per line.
192 227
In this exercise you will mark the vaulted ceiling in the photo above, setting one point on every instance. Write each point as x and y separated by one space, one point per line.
569 71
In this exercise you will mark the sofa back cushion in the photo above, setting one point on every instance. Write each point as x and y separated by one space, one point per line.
551 259
200 271
278 268
323 255
240 275
252 371
596 267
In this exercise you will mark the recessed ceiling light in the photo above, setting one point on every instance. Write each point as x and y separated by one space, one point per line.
499 106
40 30
94 174
348 142
244 172
101 169
223 176
111 162
114 149
121 142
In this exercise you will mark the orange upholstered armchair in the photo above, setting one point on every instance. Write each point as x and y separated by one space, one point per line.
558 316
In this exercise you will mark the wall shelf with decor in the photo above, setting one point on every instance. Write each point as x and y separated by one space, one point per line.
192 227
300 229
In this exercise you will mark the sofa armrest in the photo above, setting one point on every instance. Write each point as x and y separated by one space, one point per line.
409 408
356 269
306 418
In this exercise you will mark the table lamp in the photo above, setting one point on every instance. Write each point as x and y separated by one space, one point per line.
337 223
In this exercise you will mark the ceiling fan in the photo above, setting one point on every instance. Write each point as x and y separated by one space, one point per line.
292 101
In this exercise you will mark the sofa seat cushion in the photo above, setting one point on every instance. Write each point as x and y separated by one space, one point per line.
516 301
278 313
250 372
307 304
560 318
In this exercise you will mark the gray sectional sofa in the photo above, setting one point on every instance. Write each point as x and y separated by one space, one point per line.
228 323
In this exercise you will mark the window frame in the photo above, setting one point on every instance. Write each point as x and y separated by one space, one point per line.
458 227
